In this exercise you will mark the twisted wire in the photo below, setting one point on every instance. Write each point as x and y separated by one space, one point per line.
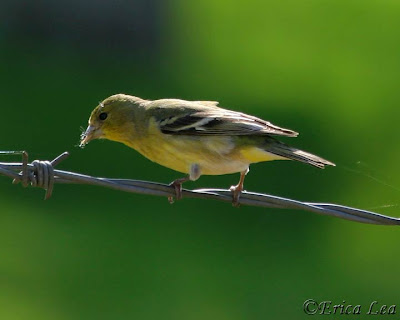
39 174
42 174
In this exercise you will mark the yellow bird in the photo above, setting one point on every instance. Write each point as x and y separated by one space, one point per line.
193 137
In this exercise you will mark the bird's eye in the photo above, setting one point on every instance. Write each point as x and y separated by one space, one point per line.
103 116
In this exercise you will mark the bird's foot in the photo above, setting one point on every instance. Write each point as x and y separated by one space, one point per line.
177 184
236 192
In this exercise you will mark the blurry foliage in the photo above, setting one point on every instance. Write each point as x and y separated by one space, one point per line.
328 69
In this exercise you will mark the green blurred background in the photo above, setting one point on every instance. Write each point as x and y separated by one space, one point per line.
328 69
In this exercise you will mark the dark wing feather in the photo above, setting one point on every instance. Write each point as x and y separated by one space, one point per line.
220 122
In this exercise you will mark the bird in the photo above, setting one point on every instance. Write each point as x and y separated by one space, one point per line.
193 137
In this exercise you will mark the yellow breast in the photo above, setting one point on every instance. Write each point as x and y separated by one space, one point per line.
215 155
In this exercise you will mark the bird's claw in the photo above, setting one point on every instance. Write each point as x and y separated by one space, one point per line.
178 191
236 192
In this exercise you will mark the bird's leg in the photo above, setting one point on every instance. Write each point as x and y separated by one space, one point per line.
237 190
177 184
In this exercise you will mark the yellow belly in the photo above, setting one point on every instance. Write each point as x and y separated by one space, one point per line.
215 155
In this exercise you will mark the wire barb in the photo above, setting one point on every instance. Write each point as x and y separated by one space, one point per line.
39 174
43 175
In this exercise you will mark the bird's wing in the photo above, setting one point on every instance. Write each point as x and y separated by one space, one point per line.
200 118
207 103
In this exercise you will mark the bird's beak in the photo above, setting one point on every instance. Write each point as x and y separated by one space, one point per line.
90 134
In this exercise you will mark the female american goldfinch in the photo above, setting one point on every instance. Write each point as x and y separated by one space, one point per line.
193 137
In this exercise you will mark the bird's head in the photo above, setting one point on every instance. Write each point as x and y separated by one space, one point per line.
112 119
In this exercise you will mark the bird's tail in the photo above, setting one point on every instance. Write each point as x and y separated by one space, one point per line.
288 152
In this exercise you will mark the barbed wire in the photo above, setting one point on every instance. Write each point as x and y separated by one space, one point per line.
42 174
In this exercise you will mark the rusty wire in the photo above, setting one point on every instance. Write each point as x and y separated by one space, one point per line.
42 174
